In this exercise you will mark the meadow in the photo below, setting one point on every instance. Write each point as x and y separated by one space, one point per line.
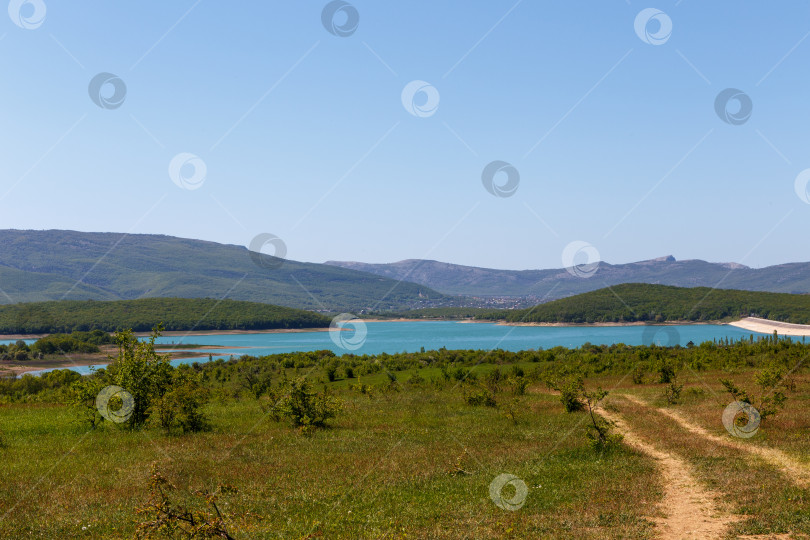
415 445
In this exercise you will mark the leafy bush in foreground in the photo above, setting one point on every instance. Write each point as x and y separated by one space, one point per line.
303 407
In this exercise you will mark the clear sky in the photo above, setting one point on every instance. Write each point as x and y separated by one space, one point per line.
611 126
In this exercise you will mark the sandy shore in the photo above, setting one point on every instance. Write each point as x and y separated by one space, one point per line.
601 324
399 320
233 332
189 333
765 326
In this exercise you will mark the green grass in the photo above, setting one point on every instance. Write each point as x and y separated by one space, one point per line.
767 499
385 467
414 460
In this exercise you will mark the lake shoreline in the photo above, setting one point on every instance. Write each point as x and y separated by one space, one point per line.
200 352
189 333
765 326
608 324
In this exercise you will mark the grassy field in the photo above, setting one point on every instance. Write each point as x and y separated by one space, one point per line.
411 461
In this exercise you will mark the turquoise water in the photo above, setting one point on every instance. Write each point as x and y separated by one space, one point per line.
394 337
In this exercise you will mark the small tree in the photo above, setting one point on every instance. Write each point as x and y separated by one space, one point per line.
672 391
181 407
142 372
600 429
331 371
571 390
255 379
772 382
666 371
83 393
303 407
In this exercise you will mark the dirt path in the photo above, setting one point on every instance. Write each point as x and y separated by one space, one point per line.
789 466
690 510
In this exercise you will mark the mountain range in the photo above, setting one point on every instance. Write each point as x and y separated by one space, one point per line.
545 285
56 264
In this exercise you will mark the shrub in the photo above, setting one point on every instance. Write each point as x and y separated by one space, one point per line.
772 384
166 517
331 371
519 385
416 379
255 379
570 393
481 397
303 407
672 392
142 372
666 372
180 407
83 393
600 430
638 374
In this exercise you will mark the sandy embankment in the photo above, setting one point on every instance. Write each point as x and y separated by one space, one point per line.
603 324
765 326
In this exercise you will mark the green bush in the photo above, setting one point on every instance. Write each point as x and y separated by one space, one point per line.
571 391
481 397
181 406
303 407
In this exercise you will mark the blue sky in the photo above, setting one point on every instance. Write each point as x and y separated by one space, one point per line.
304 134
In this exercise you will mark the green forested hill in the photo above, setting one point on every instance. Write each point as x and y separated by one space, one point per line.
38 266
141 315
657 303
